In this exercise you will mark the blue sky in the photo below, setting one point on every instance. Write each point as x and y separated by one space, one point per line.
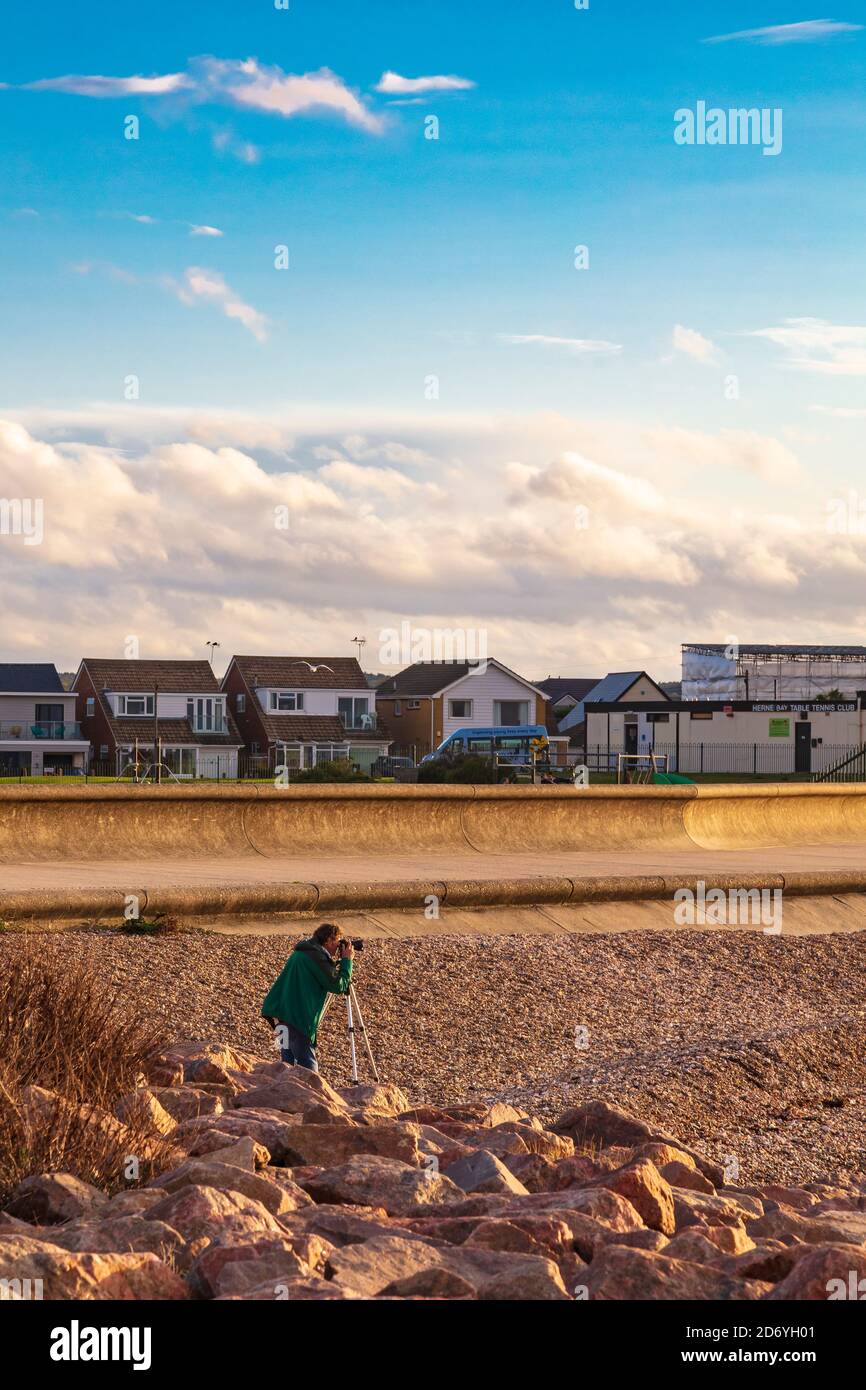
411 257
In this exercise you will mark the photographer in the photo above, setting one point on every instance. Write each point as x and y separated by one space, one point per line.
297 999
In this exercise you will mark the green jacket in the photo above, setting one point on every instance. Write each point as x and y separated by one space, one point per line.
298 996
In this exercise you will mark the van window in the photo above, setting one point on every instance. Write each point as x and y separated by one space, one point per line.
480 745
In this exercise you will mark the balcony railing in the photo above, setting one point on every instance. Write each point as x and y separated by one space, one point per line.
359 721
215 725
28 730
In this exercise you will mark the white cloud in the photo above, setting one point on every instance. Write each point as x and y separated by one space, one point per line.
814 345
162 523
577 346
393 84
841 412
204 230
202 285
694 344
807 31
237 82
143 217
249 84
113 86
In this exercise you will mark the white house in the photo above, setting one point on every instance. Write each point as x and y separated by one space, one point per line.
38 729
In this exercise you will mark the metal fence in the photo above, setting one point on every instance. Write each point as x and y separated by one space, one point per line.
735 759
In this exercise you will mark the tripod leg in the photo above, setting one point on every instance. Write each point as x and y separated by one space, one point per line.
354 996
350 1024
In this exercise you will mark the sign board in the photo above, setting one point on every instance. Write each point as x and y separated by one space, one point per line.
780 728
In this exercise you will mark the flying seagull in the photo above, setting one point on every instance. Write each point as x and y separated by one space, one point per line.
313 668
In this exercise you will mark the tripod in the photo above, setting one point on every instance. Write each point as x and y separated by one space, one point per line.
352 1000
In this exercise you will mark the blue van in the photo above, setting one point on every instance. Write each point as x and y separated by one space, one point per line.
510 743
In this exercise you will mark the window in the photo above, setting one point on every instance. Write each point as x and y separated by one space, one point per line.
511 711
354 712
658 718
483 746
287 701
398 707
413 704
135 704
460 709
701 714
241 703
206 714
90 706
49 714
103 750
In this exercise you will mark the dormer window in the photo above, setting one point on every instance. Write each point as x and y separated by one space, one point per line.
139 705
287 701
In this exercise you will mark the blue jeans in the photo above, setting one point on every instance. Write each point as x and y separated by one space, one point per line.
299 1051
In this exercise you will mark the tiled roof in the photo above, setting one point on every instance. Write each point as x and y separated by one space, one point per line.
172 677
317 728
294 673
423 678
38 678
575 686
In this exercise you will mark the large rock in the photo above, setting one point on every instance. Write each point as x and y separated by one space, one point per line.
241 1153
383 1099
618 1272
270 1128
68 1275
46 1198
435 1282
598 1123
536 1173
701 1209
368 1180
226 1177
292 1097
203 1213
371 1267
484 1172
187 1102
328 1145
143 1110
229 1266
348 1225
828 1228
120 1234
602 1204
829 1273
643 1186
296 1290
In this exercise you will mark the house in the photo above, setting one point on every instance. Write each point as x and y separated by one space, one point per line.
427 701
299 711
38 729
565 692
129 705
624 689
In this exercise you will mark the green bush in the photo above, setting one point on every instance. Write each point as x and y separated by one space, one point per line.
469 767
340 770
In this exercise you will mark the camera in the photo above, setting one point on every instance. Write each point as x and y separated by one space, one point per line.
358 943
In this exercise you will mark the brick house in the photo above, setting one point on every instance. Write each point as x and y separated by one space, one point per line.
300 711
429 700
122 705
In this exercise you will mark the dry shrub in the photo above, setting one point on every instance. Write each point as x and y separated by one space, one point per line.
83 1047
